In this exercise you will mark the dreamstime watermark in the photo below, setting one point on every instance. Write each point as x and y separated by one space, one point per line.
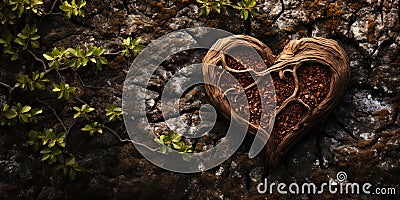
340 185
141 74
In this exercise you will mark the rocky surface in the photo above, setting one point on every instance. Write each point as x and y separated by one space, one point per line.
361 137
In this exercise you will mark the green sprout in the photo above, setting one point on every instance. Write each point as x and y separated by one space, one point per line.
7 114
64 91
83 111
131 47
6 41
50 154
22 114
55 57
113 112
11 10
94 55
37 82
73 8
173 141
76 58
47 138
92 128
246 8
69 168
210 5
28 37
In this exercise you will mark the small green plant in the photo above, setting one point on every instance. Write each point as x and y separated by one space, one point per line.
55 57
11 10
212 5
73 8
131 47
92 128
49 143
50 154
64 91
246 7
37 82
76 58
114 113
52 146
7 114
46 138
69 168
28 37
83 111
6 41
173 141
20 113
94 55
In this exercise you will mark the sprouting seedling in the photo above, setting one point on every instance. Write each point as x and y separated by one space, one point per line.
173 141
64 91
36 82
212 5
131 47
246 7
23 114
113 112
73 8
69 168
83 111
56 57
28 37
76 58
92 128
6 40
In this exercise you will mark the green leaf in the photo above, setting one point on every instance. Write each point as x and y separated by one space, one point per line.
241 4
19 41
208 10
40 86
57 151
76 115
244 14
23 36
251 3
51 143
35 37
10 114
71 161
35 44
176 138
79 169
25 109
176 146
45 151
45 157
47 56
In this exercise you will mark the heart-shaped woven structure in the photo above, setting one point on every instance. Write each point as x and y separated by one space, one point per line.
309 77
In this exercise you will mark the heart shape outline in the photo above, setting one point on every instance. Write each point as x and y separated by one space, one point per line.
296 53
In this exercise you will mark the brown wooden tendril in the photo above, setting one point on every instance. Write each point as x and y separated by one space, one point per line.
309 77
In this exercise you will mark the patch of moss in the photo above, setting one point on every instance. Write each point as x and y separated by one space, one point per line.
328 11
334 15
